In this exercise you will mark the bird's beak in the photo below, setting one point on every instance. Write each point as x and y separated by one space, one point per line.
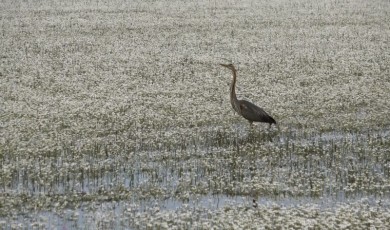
224 65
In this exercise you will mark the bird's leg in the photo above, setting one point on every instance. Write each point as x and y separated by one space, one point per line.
269 132
251 124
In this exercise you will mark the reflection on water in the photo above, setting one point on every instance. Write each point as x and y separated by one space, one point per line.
115 213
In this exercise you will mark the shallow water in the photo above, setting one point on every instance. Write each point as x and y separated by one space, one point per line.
276 169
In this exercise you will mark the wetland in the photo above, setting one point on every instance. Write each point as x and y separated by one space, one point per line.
116 115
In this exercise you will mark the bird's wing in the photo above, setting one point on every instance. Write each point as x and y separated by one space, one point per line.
252 112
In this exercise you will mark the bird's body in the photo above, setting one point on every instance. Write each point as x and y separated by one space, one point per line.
248 110
253 113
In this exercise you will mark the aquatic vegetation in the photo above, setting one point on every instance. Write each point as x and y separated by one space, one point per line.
117 114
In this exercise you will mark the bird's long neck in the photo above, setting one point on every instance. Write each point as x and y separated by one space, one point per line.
233 97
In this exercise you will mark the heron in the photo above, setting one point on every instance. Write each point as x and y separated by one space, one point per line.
248 110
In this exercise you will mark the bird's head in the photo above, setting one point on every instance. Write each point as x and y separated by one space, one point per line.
229 66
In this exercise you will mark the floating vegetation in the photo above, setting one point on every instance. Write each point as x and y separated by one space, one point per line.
117 115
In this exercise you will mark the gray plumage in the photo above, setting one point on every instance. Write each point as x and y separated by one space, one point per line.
248 110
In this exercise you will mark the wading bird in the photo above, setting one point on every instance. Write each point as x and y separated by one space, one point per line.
248 110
